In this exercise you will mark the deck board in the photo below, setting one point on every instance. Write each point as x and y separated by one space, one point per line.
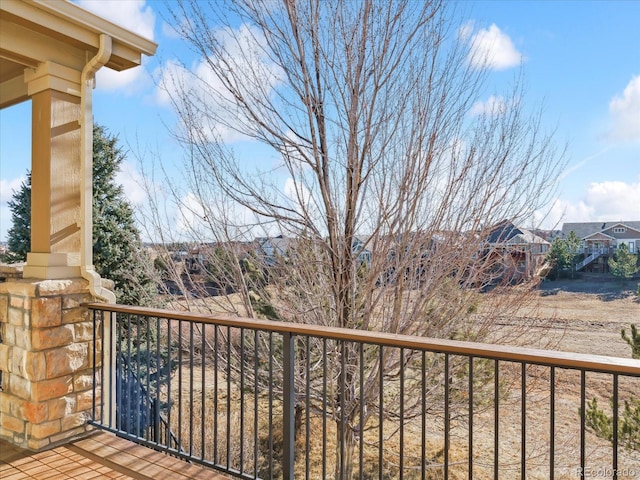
100 456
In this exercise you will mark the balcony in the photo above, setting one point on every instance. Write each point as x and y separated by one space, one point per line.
259 399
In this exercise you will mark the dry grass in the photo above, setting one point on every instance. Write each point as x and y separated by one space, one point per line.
537 433
583 322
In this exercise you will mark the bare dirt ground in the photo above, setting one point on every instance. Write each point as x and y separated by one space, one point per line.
589 314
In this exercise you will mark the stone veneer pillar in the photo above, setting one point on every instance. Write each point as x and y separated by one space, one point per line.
46 360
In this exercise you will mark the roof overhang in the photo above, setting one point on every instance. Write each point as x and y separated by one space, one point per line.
37 31
598 236
620 225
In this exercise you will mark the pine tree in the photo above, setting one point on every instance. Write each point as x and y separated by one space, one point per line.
117 249
623 265
19 235
562 254
633 340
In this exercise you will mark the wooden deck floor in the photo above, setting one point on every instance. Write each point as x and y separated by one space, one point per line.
100 456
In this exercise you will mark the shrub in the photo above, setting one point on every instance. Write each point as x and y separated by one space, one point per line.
633 341
629 423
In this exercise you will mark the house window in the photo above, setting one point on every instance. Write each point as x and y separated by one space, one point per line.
619 229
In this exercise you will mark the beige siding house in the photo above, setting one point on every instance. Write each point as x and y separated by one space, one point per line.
600 240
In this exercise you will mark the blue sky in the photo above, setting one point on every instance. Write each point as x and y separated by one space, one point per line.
581 60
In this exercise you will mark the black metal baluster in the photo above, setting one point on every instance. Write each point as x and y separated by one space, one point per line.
582 421
615 426
216 354
447 415
361 412
401 453
191 373
381 415
324 408
179 387
148 375
288 407
423 440
496 417
270 405
168 435
156 405
307 391
256 386
228 397
203 393
523 422
342 386
470 417
552 420
242 389
137 383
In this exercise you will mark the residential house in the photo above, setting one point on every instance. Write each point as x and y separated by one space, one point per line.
600 240
270 249
519 253
359 247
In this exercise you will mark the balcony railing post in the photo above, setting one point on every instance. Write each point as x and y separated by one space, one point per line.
109 368
288 394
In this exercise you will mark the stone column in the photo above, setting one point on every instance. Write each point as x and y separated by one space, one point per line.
46 360
56 171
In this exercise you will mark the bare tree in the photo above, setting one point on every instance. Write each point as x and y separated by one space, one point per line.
390 184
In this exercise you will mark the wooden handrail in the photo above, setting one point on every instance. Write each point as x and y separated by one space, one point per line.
580 361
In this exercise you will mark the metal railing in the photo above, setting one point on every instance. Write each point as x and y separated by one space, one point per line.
137 411
262 399
588 260
597 250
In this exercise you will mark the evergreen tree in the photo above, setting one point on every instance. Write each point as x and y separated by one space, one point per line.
117 249
562 253
629 422
633 340
623 264
19 240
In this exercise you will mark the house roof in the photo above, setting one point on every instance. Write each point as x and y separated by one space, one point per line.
585 229
599 236
507 233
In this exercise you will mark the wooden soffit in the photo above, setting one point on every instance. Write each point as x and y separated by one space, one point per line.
37 31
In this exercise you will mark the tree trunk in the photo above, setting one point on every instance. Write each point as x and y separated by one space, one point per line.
345 449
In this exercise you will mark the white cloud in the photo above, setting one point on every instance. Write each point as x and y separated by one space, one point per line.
603 201
134 15
625 113
130 81
131 181
466 30
614 200
490 48
191 217
494 106
213 108
169 31
8 187
579 165
297 193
